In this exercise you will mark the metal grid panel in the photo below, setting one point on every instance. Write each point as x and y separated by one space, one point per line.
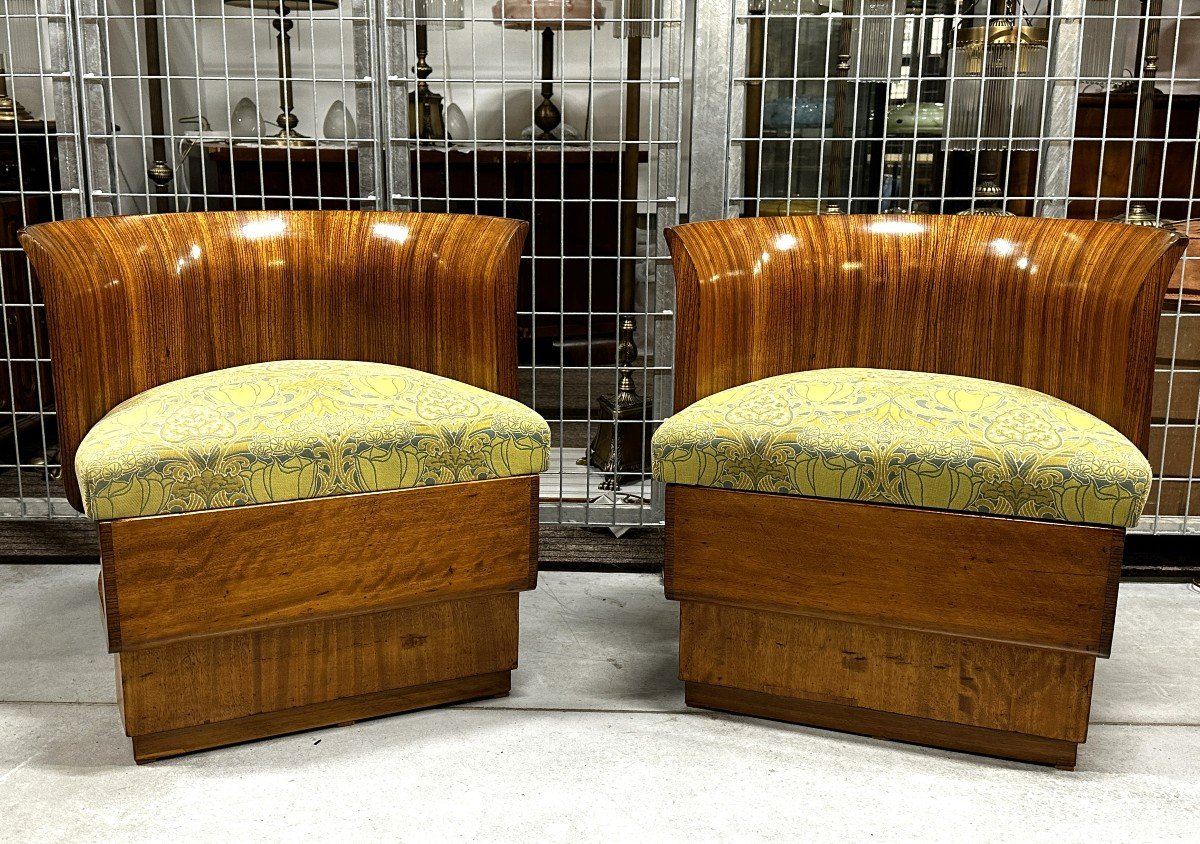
39 180
185 102
803 116
1080 108
594 301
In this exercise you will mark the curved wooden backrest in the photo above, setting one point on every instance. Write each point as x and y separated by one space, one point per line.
1067 307
133 302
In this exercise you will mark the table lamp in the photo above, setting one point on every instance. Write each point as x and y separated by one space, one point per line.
548 16
997 88
425 118
11 111
622 441
287 122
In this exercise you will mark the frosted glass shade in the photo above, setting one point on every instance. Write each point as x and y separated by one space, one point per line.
1109 29
876 40
637 18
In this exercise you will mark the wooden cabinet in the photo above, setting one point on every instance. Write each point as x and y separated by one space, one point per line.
570 274
28 179
1102 156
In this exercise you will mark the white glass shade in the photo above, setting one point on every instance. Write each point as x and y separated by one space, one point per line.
245 122
339 123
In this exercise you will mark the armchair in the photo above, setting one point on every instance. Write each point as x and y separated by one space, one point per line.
904 457
315 492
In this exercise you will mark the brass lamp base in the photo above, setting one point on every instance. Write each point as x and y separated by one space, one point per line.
288 138
988 190
11 111
1140 215
621 444
425 117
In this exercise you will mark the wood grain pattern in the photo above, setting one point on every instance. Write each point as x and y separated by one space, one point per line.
925 675
220 571
1013 580
133 302
221 678
1067 307
343 711
885 725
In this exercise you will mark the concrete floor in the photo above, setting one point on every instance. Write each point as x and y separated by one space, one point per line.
593 745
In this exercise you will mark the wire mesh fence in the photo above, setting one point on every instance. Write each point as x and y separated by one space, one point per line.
600 123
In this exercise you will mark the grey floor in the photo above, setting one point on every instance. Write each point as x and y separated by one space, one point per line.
593 745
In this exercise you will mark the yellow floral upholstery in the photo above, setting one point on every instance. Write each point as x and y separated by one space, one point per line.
912 438
289 430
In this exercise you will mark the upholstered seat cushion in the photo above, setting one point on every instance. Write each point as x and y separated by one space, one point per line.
289 430
911 438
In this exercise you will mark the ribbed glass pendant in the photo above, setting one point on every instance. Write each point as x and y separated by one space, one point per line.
998 86
1109 29
877 40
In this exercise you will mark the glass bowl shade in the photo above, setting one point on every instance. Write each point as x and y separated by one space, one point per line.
548 14
289 5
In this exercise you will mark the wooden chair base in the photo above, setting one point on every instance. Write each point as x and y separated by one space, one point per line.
884 725
953 630
231 625
983 697
342 712
221 690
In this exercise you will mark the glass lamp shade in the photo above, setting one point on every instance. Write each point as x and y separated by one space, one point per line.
548 14
288 5
998 86
877 40
637 18
437 14
1109 28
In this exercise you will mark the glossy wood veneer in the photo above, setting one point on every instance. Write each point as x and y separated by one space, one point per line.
187 575
1067 307
203 693
1045 584
885 725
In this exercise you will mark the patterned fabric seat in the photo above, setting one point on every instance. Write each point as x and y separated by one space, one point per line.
290 430
909 438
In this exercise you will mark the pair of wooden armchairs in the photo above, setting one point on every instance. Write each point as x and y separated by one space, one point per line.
317 498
